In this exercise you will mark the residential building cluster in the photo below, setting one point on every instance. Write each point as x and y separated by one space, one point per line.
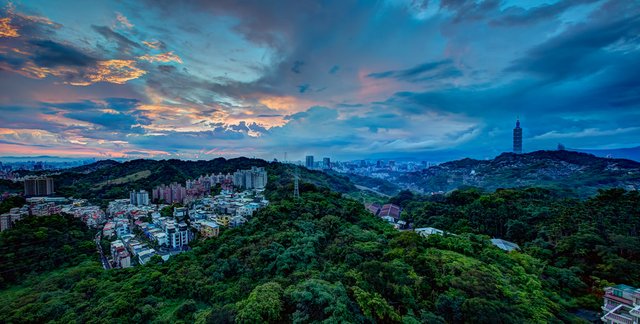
47 206
173 193
194 189
228 209
621 305
143 229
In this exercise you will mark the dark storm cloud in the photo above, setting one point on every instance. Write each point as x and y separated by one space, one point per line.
516 16
297 66
123 43
303 88
423 72
580 51
48 53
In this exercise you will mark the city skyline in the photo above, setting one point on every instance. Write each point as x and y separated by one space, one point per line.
201 80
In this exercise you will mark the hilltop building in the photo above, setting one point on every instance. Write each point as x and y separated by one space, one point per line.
517 138
40 186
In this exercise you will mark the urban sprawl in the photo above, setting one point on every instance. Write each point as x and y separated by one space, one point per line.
142 227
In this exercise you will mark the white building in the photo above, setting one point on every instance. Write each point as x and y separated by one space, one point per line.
255 178
426 231
139 198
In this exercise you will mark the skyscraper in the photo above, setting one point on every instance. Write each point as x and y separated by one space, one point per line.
326 163
309 162
517 138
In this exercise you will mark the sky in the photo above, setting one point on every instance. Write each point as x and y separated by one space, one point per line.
430 80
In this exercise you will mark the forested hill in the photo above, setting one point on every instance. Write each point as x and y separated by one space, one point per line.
322 258
552 169
108 179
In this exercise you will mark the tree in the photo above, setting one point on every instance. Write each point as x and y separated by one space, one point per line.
264 304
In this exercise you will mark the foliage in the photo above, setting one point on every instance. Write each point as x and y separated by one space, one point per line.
11 202
324 258
583 241
39 244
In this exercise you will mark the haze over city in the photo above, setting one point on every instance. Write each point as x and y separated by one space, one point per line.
346 79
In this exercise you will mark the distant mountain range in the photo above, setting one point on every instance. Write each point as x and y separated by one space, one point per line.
581 172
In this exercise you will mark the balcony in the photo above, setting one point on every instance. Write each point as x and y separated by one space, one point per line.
608 307
617 318
618 299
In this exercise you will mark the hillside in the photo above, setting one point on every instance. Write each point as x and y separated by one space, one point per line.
109 179
321 258
566 170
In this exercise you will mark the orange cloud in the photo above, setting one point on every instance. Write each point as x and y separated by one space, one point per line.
112 71
39 20
152 44
123 20
164 58
286 104
6 30
116 71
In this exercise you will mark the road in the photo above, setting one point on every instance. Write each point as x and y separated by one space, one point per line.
372 190
105 262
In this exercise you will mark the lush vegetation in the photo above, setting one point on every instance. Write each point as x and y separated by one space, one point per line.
380 185
11 202
595 240
10 186
107 180
324 258
40 244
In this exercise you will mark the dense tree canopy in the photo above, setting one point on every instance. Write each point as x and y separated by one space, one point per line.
596 240
325 258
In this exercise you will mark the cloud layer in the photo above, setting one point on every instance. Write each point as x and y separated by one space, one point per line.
346 79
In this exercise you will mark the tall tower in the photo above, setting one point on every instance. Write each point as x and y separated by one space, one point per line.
309 162
296 188
517 138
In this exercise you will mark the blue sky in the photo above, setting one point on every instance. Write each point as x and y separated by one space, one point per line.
433 80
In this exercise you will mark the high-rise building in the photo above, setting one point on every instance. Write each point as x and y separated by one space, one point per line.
40 186
255 178
326 163
309 162
517 138
173 193
139 198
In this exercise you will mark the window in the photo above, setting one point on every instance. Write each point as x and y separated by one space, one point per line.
617 292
